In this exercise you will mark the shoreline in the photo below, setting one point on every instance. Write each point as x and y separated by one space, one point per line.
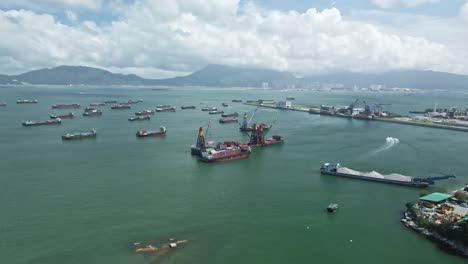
315 110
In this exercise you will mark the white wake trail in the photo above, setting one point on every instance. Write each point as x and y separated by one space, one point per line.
390 142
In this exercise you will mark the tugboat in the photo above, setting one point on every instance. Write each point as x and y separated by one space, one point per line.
97 104
332 208
65 106
236 101
235 114
225 104
120 107
166 109
69 115
27 102
225 152
228 120
145 112
215 112
40 123
209 108
91 134
146 133
188 107
92 113
139 118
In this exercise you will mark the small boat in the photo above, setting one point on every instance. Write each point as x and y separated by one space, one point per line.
120 107
97 104
290 98
235 114
149 133
166 109
69 136
331 208
145 112
237 101
225 104
69 115
40 123
3 104
88 109
110 102
27 102
188 107
216 112
65 106
228 120
139 118
209 108
93 113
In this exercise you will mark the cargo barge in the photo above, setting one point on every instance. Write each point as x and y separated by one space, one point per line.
228 120
3 104
144 112
209 108
166 109
235 114
149 133
139 118
336 170
69 115
93 113
215 112
69 136
120 107
65 106
97 104
41 123
188 107
236 101
225 153
27 102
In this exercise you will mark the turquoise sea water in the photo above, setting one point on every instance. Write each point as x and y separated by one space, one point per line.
87 201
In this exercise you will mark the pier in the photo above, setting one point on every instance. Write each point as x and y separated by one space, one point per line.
396 120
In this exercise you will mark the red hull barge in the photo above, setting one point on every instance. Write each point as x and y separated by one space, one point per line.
145 133
69 115
223 153
65 106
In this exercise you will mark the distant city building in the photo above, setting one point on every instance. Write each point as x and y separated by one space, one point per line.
265 85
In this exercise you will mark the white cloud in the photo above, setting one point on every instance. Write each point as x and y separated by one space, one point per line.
54 4
159 39
407 3
464 12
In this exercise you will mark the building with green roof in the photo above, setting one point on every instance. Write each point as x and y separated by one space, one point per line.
435 197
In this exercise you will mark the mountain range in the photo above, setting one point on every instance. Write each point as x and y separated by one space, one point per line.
228 76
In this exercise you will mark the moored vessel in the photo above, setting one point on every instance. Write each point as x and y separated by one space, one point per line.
225 152
149 133
335 169
70 136
3 104
97 104
111 102
257 136
215 112
228 120
209 108
235 114
121 107
40 123
144 112
166 109
69 115
236 101
94 112
65 106
27 101
188 107
139 118
225 104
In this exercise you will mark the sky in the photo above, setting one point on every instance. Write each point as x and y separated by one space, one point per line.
166 38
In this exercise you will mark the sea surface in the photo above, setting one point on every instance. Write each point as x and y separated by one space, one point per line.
87 201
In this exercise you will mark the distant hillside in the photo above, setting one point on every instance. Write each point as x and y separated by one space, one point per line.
228 76
220 75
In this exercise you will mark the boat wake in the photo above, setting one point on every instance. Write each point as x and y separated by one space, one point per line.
390 142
